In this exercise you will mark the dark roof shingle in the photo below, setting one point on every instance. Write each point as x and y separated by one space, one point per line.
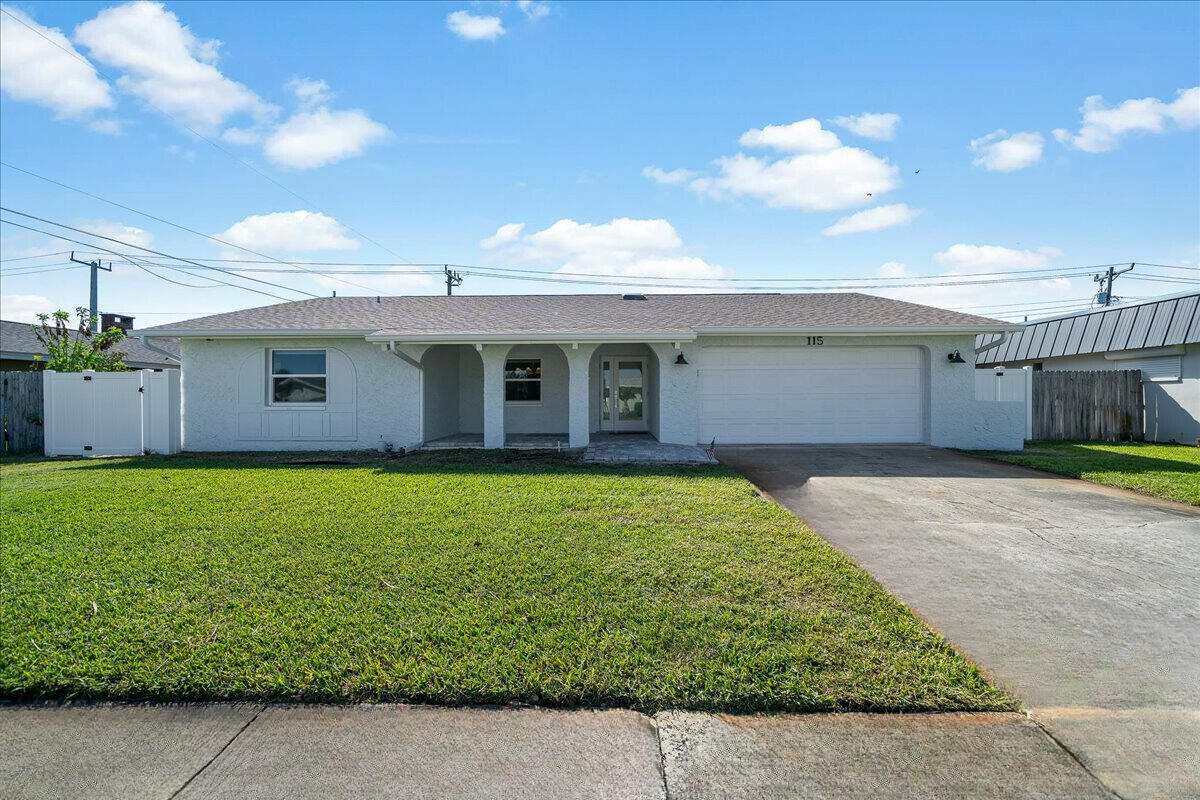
17 338
582 313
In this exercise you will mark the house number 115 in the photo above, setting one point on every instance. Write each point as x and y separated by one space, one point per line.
815 340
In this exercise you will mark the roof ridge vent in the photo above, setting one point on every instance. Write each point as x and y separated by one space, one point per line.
633 297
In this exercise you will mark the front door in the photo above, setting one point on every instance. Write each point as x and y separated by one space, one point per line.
623 394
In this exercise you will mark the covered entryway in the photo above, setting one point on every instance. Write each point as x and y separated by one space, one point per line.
813 394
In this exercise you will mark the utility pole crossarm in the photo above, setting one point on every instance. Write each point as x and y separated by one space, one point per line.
1105 279
453 279
94 300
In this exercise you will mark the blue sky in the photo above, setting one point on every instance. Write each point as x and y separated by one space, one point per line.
651 143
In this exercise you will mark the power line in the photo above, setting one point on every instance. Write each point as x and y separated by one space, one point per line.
123 255
148 215
148 250
39 255
196 133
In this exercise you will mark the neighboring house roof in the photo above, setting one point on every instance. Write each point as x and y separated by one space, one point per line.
584 315
18 342
1159 322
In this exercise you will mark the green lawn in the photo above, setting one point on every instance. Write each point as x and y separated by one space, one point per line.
446 580
1163 470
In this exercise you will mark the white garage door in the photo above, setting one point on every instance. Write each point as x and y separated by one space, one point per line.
797 395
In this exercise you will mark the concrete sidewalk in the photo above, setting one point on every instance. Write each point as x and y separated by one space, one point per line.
396 751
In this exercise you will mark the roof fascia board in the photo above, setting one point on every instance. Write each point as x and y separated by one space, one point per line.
857 330
524 338
244 333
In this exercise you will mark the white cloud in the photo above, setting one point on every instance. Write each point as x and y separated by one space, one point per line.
109 127
622 248
822 174
870 126
25 307
505 234
1104 126
167 65
309 92
290 232
32 69
116 230
669 177
999 152
472 27
533 9
873 219
805 136
311 139
967 258
961 262
830 181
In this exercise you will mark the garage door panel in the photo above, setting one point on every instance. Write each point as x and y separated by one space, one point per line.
812 394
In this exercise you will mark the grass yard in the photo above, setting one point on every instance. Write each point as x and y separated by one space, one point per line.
442 579
1163 470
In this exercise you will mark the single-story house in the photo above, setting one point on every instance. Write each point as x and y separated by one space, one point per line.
19 346
349 372
1160 337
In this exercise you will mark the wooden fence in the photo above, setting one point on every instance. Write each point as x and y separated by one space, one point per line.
21 411
1104 405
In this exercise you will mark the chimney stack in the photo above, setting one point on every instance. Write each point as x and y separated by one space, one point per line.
109 321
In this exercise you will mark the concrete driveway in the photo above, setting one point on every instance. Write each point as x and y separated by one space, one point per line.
1082 600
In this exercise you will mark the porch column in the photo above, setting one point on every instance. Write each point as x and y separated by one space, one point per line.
579 361
493 356
678 393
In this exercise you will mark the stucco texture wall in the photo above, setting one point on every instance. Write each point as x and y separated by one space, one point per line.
372 394
952 418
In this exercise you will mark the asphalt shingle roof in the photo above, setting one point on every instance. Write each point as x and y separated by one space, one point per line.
582 313
18 338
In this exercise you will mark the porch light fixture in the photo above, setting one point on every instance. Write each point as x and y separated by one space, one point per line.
679 359
955 358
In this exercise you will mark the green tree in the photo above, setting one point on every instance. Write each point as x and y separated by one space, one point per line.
83 347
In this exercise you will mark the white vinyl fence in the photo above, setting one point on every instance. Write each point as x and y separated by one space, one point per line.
1000 385
111 413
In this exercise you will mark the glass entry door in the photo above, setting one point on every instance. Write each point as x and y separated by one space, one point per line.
623 394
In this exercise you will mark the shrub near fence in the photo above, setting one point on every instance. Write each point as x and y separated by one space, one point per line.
1099 406
21 411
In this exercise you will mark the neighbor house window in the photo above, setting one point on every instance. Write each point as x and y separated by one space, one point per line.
523 380
297 376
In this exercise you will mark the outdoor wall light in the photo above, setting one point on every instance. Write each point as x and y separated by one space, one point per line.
679 359
955 358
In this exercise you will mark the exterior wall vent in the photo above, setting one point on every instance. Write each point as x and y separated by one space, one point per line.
633 297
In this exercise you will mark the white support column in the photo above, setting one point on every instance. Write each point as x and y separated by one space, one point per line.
579 362
493 356
678 393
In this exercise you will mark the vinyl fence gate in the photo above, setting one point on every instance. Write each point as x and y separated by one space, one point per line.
111 413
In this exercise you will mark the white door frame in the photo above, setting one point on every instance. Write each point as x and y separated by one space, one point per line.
614 423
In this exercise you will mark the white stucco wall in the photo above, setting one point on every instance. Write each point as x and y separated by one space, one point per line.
371 393
1172 407
440 367
378 394
952 418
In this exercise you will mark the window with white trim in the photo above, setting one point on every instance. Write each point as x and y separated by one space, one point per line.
523 380
297 376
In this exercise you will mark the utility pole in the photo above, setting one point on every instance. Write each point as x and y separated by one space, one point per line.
1105 295
452 279
94 300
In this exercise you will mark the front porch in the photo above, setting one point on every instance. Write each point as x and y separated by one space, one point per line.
604 448
551 396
